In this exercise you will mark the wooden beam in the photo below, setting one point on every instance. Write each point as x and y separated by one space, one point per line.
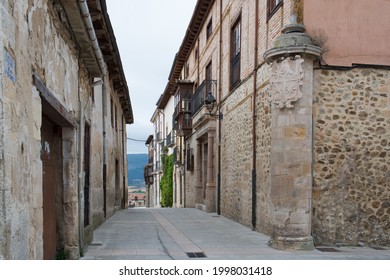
52 107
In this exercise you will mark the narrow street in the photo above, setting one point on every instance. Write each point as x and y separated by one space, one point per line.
184 234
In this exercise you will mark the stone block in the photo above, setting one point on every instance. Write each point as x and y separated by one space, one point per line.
303 182
290 203
300 217
296 132
286 169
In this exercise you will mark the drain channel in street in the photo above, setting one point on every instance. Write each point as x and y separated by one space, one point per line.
180 238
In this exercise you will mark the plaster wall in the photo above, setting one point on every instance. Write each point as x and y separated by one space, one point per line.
353 31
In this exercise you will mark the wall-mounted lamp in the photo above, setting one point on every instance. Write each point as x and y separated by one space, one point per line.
210 103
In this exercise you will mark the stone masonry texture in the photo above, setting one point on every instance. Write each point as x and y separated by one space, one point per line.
351 192
342 166
34 36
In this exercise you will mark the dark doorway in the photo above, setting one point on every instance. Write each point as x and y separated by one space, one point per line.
117 184
87 157
48 189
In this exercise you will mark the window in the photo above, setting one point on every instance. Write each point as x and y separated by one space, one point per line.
116 118
190 159
273 6
235 53
209 78
112 113
209 29
186 71
196 54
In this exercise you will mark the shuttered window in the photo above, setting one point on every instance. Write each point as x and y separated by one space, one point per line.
235 49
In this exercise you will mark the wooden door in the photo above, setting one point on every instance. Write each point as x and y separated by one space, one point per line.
49 190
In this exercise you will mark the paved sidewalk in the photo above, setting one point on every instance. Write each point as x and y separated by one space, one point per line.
184 234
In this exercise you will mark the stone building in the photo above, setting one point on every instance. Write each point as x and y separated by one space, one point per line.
283 107
64 106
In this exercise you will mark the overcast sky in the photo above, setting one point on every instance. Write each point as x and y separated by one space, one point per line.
149 34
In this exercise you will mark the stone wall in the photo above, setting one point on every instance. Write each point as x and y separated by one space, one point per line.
21 115
236 195
190 178
36 40
351 192
237 108
263 150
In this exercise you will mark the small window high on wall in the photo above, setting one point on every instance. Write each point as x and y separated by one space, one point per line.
209 29
273 6
235 53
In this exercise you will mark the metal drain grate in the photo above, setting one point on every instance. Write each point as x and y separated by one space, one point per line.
377 248
196 255
96 243
327 249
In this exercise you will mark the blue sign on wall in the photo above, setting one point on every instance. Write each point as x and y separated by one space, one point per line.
9 66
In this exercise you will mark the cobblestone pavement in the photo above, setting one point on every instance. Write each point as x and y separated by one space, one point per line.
183 234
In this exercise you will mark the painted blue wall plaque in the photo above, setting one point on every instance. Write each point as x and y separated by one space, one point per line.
9 66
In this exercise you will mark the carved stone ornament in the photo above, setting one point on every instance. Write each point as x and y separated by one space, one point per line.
286 81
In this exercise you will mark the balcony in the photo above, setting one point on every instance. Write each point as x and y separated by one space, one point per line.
200 95
175 155
182 117
171 139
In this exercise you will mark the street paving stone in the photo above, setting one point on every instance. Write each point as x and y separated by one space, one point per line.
171 233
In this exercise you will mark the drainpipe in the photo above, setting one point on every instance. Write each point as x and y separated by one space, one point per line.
185 171
104 105
92 35
79 160
254 175
219 108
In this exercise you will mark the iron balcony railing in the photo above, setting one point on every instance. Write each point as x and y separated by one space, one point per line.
184 106
171 139
200 94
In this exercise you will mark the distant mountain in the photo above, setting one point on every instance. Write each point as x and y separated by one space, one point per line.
135 169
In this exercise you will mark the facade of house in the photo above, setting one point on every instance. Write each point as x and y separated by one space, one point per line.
282 108
164 139
137 199
155 153
64 106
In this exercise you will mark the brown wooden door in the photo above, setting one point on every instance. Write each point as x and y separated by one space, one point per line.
49 190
